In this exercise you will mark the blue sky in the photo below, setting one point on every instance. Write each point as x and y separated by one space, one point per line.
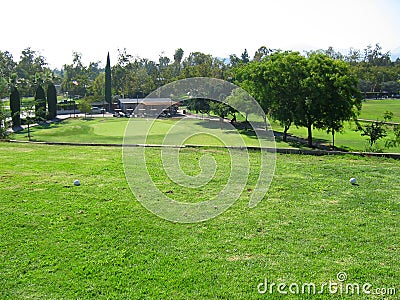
150 28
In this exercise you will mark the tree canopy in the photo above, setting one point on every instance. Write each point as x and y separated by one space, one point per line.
107 85
15 106
315 91
40 103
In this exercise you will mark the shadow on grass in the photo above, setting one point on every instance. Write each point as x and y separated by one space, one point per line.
35 131
245 128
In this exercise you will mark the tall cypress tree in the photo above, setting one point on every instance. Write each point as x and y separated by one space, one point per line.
15 106
108 81
40 103
52 100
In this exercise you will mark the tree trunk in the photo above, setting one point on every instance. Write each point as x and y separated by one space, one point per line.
285 130
333 138
309 138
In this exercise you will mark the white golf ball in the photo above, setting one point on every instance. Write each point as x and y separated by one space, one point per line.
77 182
353 180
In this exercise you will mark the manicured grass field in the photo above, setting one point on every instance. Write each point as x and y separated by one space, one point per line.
351 139
96 130
374 109
96 241
111 130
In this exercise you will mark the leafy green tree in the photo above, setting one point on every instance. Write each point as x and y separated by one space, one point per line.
374 131
30 64
52 100
375 57
241 101
134 77
317 91
388 115
164 71
333 54
4 133
338 90
76 80
199 105
251 77
245 57
331 98
3 87
163 61
394 142
40 103
15 106
197 64
107 84
7 64
178 56
219 69
353 57
85 106
286 73
276 83
98 87
261 53
234 60
221 109
93 70
392 87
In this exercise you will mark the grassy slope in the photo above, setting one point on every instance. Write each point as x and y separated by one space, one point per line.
97 241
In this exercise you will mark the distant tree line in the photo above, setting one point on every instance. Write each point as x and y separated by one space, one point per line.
132 75
372 71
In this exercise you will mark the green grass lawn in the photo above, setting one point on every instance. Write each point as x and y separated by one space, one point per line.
96 241
96 130
112 130
350 139
374 109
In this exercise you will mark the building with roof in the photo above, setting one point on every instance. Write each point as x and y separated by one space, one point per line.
148 106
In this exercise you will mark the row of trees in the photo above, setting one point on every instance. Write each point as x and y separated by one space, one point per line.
316 91
374 68
134 76
45 103
32 70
